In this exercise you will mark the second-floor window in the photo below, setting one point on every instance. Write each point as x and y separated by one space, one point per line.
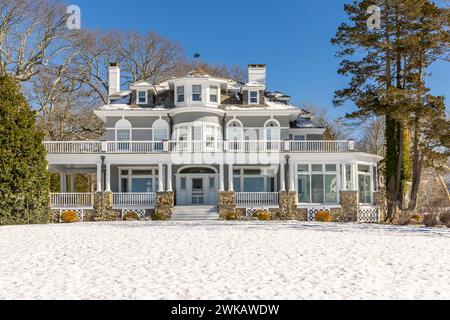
196 93
254 97
142 97
180 94
213 94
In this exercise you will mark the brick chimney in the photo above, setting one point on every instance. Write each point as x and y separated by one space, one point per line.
114 78
257 73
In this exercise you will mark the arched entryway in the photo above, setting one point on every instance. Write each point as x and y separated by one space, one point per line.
197 185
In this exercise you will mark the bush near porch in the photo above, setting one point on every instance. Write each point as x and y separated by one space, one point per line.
69 217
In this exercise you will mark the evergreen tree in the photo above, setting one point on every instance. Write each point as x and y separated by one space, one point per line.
24 178
386 75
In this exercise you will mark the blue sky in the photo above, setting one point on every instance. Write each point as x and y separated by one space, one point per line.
291 37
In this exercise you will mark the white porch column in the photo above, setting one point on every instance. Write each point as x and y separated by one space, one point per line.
291 177
99 177
161 177
344 176
221 178
63 182
354 176
282 178
169 178
230 177
72 183
108 177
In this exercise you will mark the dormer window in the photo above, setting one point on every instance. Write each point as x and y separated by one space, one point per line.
180 94
142 97
213 94
254 95
196 93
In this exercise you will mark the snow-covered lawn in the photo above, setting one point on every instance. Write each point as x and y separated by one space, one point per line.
220 260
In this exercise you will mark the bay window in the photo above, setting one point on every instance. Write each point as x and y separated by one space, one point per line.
197 93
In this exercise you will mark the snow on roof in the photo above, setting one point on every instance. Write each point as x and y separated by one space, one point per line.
278 105
122 106
306 123
141 84
254 84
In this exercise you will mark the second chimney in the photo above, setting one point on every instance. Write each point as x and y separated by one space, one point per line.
257 73
114 78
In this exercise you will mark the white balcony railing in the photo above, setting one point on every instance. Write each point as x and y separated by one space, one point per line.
134 200
196 146
248 146
135 147
73 146
71 200
257 198
254 146
321 146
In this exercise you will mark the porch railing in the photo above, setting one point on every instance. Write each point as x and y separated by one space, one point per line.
257 198
321 146
248 146
71 200
254 146
134 200
73 146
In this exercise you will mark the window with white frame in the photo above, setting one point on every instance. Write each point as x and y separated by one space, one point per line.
142 97
213 94
254 97
235 131
160 130
251 180
123 130
317 183
364 184
272 131
138 180
196 93
180 94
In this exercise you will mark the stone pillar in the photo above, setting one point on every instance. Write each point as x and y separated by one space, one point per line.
169 178
288 207
230 178
161 178
380 201
227 204
221 178
164 206
349 204
99 177
108 177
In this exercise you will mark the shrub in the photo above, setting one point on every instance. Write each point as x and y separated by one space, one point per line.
416 219
232 216
262 215
430 220
131 216
158 216
69 217
324 216
444 217
104 216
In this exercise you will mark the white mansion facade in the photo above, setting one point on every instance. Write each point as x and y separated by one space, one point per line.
199 140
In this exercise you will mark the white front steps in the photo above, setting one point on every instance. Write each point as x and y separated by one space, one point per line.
194 213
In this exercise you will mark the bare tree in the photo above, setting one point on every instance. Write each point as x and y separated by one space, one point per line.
33 34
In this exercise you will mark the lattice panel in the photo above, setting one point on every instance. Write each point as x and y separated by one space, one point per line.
80 213
313 211
368 214
140 212
250 211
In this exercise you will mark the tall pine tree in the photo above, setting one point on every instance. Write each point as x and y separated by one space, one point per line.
24 179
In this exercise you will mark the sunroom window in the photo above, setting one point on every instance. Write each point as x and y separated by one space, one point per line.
213 94
180 94
364 184
197 93
251 180
317 183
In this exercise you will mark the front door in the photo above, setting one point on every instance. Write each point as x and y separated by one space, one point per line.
198 191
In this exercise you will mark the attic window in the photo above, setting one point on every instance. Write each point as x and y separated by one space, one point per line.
197 93
254 97
180 94
142 97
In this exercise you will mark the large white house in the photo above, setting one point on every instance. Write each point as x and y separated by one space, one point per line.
198 146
